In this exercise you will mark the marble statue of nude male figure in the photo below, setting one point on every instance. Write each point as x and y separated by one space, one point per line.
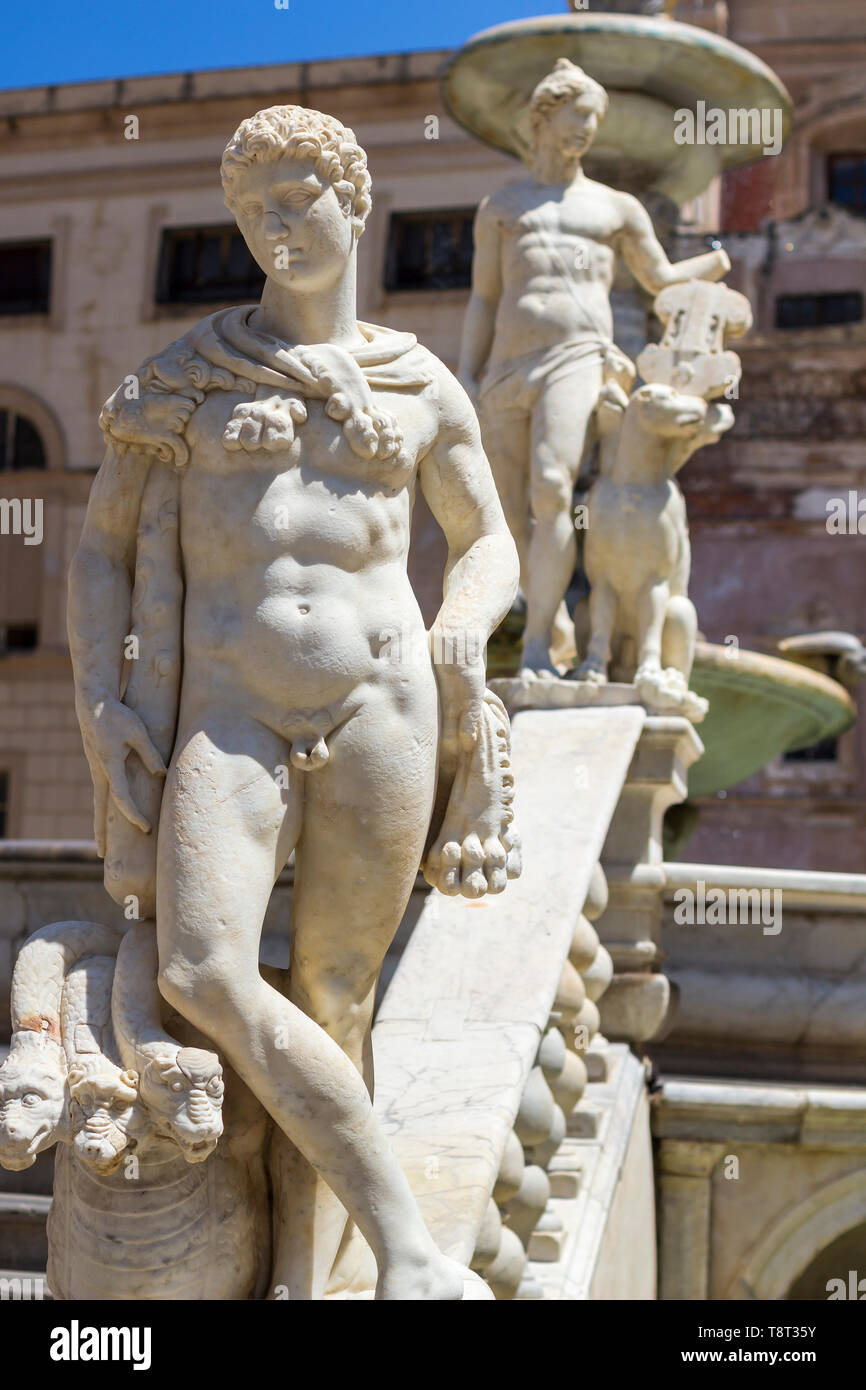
283 443
538 333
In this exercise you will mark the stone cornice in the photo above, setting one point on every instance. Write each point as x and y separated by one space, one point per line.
222 84
815 1117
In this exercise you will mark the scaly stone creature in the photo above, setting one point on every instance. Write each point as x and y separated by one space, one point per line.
204 1227
137 1187
34 1105
105 1115
181 1087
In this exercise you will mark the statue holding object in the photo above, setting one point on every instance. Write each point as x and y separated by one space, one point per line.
538 344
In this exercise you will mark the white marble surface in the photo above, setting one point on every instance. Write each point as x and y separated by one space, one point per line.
460 1026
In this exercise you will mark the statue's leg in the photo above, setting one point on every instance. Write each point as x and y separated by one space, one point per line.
225 830
560 423
679 635
652 606
505 430
354 870
603 605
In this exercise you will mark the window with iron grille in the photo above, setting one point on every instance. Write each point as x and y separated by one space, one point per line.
20 443
206 265
846 181
818 310
25 277
430 250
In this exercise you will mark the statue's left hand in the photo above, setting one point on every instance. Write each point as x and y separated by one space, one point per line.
110 733
462 678
477 849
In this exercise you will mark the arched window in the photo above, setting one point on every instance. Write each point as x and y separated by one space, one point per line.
31 436
21 443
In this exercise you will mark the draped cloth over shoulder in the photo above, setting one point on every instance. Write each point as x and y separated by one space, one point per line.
151 409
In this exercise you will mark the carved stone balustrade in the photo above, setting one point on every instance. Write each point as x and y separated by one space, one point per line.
638 998
481 1039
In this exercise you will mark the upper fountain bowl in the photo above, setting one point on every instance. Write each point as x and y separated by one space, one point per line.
651 68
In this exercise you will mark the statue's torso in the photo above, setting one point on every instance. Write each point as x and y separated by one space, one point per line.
557 265
295 561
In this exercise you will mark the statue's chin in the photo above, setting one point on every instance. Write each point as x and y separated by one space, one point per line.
16 1164
192 1150
104 1158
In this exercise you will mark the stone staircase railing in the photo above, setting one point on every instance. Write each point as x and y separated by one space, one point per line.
487 1041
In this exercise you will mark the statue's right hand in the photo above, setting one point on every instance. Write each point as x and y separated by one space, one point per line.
110 732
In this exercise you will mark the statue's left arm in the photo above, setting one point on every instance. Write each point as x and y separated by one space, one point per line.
645 256
482 571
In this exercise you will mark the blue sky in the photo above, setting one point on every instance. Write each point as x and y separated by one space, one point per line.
53 41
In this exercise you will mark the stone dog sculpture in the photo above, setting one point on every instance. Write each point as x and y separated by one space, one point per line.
636 554
245 549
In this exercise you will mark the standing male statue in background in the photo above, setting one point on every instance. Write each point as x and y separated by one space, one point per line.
538 334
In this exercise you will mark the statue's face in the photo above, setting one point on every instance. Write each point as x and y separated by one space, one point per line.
293 223
571 125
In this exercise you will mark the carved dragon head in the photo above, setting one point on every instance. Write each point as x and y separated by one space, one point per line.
183 1093
33 1104
103 1106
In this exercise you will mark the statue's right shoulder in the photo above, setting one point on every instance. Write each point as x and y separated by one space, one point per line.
507 204
150 409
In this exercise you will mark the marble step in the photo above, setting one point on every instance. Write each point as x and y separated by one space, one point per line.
23 1240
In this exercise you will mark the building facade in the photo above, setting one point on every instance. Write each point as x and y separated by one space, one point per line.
115 240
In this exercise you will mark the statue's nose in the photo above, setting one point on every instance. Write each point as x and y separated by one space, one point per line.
274 226
96 1147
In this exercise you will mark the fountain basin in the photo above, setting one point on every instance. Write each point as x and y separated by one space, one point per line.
760 706
651 67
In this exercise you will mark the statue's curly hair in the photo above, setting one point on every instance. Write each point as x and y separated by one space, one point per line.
565 83
297 132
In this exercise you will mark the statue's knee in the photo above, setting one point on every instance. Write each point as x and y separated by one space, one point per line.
177 988
203 998
340 1006
550 496
183 989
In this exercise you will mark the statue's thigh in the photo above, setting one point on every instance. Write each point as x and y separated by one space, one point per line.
227 826
562 416
366 816
505 434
